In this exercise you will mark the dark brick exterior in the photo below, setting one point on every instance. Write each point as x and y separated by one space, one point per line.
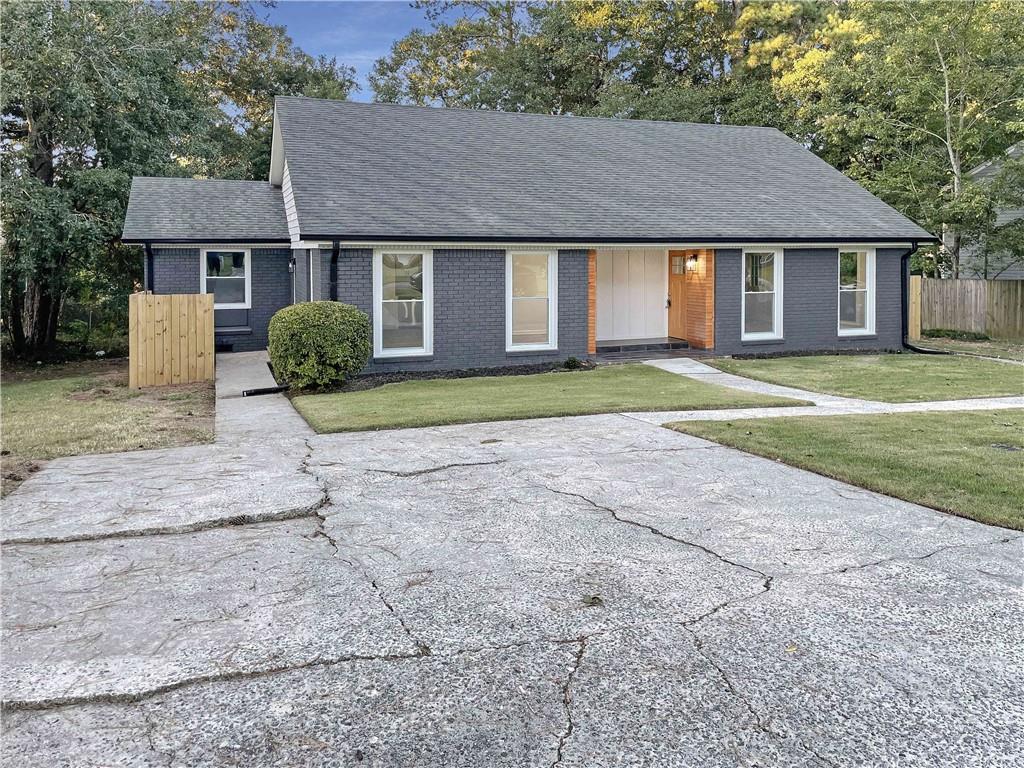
176 270
810 304
300 277
469 302
469 308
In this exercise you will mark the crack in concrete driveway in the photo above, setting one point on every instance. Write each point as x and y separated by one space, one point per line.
559 592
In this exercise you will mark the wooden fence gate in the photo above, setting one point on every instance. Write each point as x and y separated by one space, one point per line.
991 307
170 339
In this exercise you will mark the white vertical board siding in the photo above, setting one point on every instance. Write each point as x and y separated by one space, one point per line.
289 205
605 294
632 284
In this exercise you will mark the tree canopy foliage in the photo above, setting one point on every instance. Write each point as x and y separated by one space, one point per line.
904 96
96 92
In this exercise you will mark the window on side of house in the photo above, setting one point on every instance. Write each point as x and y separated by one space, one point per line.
856 292
531 300
403 312
762 295
226 274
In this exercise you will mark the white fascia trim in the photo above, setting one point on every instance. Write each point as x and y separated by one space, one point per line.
681 245
247 304
221 246
778 334
552 302
869 293
428 306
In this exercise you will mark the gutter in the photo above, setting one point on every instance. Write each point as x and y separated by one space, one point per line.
370 238
335 248
148 247
905 289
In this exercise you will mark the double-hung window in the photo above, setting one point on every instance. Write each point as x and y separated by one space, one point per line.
531 300
403 298
856 292
762 295
226 274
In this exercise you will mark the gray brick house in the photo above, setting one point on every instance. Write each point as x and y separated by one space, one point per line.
481 238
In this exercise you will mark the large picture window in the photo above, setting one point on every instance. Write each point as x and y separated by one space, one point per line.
762 295
531 290
856 292
402 303
225 274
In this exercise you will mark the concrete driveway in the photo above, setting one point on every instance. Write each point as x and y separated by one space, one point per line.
579 592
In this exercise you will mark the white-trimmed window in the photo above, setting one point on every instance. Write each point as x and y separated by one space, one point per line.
227 274
403 302
531 300
761 309
856 292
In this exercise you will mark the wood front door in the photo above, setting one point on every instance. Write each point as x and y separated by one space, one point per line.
677 294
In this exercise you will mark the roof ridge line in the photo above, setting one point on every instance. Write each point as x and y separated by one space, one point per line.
427 107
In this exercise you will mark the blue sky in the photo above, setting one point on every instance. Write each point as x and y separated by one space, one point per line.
356 33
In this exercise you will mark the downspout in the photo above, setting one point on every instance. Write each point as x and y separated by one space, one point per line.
148 247
905 285
333 275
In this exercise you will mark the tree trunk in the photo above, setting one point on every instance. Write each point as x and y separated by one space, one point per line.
41 313
15 305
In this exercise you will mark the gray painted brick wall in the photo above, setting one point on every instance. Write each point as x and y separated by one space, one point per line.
810 303
469 308
300 277
176 270
325 273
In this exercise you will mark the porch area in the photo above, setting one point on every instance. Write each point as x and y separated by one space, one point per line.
651 300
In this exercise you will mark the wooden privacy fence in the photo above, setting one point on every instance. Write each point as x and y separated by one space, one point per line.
170 339
992 307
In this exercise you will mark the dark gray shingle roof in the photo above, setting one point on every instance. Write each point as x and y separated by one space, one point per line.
179 210
389 171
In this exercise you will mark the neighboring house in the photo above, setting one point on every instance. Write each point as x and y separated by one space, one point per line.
1001 266
482 238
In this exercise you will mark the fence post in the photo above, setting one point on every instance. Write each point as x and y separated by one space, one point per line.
914 314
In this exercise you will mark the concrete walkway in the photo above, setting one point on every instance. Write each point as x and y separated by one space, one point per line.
824 405
251 472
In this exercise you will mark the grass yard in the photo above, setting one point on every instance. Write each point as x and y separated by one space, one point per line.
969 463
606 389
904 378
87 408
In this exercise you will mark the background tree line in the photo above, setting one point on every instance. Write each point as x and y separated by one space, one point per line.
906 97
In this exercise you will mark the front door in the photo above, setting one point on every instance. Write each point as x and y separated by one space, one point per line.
677 294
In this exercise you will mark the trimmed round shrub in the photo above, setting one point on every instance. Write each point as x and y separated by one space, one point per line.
318 343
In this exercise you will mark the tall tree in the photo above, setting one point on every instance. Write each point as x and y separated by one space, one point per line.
907 97
249 63
91 95
95 92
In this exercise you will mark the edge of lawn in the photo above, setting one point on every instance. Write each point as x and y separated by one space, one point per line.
743 400
682 427
724 364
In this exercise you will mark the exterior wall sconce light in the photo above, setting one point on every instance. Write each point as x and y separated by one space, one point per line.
691 263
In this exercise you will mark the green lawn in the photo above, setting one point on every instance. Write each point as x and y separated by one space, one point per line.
969 463
88 408
456 401
890 378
